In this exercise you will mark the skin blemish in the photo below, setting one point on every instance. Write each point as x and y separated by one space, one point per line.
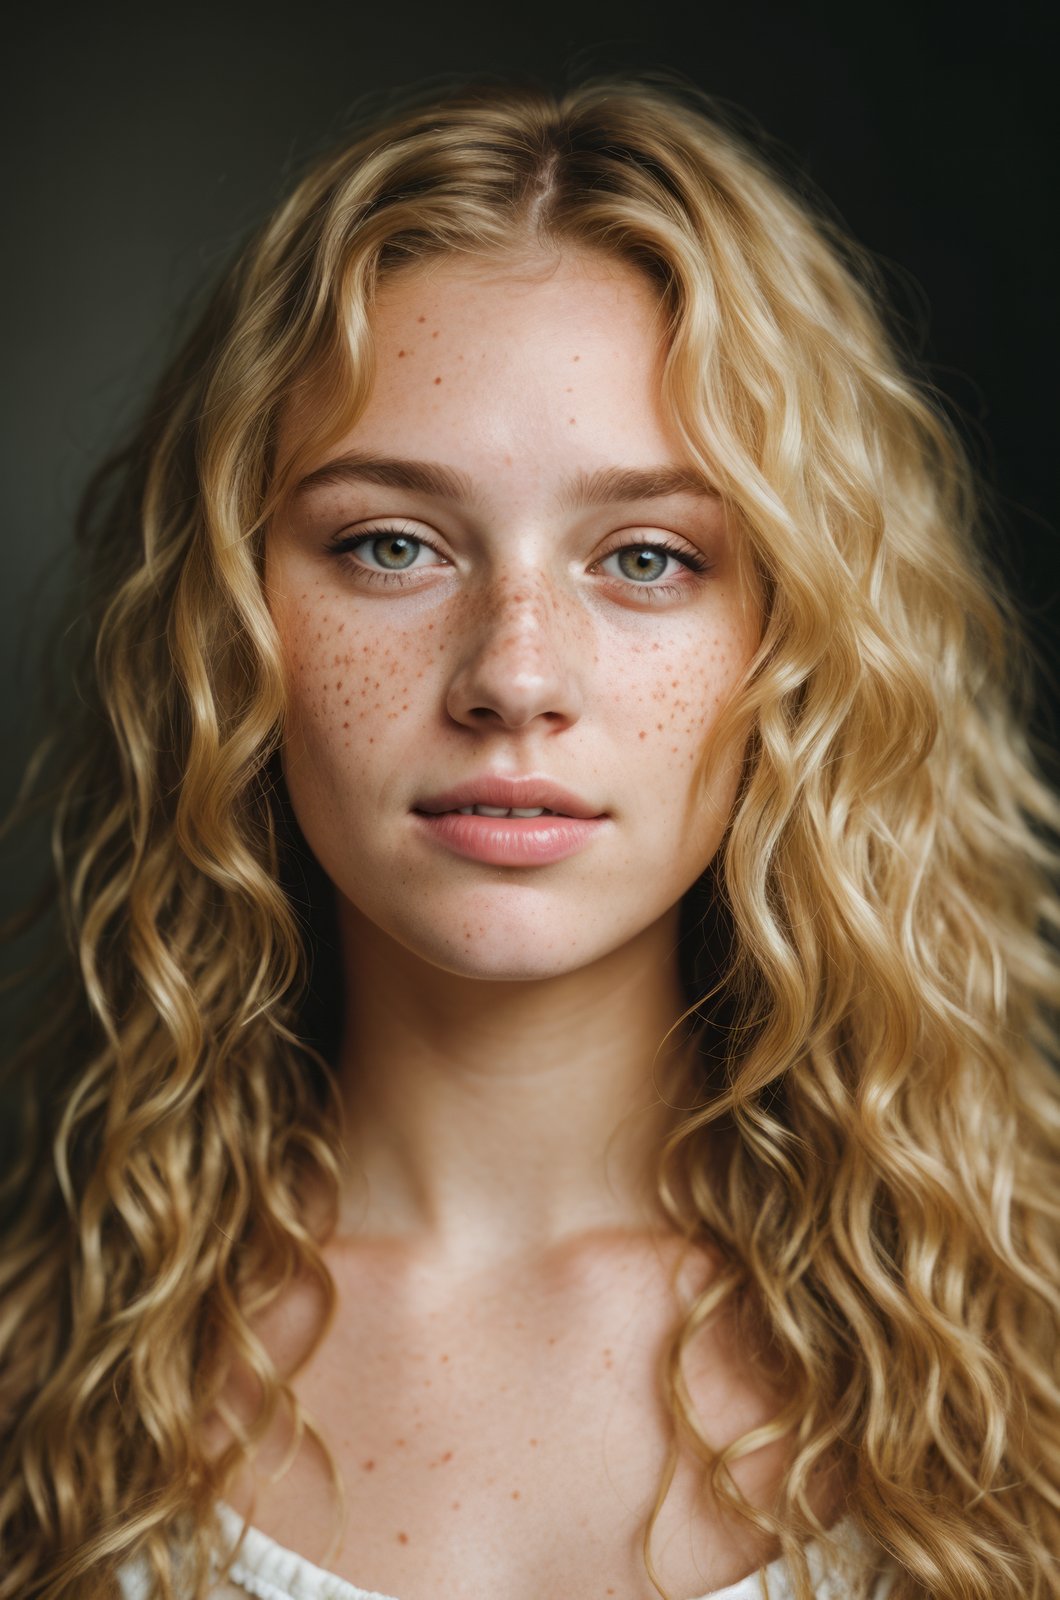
368 1466
515 1494
434 335
443 1358
533 1441
456 1505
400 1443
403 1538
400 354
437 380
421 319
447 1456
642 734
576 358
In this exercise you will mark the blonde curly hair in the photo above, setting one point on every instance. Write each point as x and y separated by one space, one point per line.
869 963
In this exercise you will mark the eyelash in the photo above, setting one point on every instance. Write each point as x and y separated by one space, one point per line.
343 546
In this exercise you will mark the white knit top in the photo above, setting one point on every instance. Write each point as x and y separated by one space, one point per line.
267 1571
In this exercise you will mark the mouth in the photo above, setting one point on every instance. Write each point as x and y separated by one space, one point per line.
494 794
493 811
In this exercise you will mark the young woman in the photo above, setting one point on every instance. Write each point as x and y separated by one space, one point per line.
555 1095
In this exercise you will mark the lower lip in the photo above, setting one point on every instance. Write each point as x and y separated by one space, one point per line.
510 841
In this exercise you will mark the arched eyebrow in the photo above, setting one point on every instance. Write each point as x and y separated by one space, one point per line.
606 486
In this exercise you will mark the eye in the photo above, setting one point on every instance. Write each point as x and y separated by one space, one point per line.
392 548
643 563
385 555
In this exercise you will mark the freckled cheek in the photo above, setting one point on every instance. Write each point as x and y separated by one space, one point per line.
345 687
670 694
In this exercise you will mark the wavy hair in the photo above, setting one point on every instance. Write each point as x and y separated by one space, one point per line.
869 960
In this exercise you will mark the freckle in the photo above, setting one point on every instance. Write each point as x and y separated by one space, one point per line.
570 389
400 1443
346 701
400 354
445 1358
447 1456
434 335
659 726
515 1494
456 1505
345 724
533 1441
421 319
571 421
437 380
643 735
552 1340
369 1466
403 1538
576 358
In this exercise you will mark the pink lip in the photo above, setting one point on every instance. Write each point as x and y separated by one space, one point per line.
528 790
509 841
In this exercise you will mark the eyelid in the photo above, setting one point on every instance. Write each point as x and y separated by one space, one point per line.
677 543
692 560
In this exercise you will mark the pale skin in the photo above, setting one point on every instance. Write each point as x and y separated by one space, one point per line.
489 1386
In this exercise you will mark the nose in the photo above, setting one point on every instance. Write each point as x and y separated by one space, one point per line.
518 658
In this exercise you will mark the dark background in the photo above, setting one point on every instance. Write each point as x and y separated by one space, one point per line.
140 145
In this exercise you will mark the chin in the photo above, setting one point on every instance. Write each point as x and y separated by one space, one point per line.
491 959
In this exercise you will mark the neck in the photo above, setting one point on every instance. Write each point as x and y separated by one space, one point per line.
489 1119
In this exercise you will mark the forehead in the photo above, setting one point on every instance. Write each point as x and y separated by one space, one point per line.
534 368
546 340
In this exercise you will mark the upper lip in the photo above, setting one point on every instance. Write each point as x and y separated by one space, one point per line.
523 793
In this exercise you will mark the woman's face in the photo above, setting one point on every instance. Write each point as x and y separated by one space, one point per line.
519 620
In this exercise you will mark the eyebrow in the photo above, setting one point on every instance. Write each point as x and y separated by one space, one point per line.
604 487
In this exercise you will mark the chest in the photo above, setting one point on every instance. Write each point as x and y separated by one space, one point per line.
509 1440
